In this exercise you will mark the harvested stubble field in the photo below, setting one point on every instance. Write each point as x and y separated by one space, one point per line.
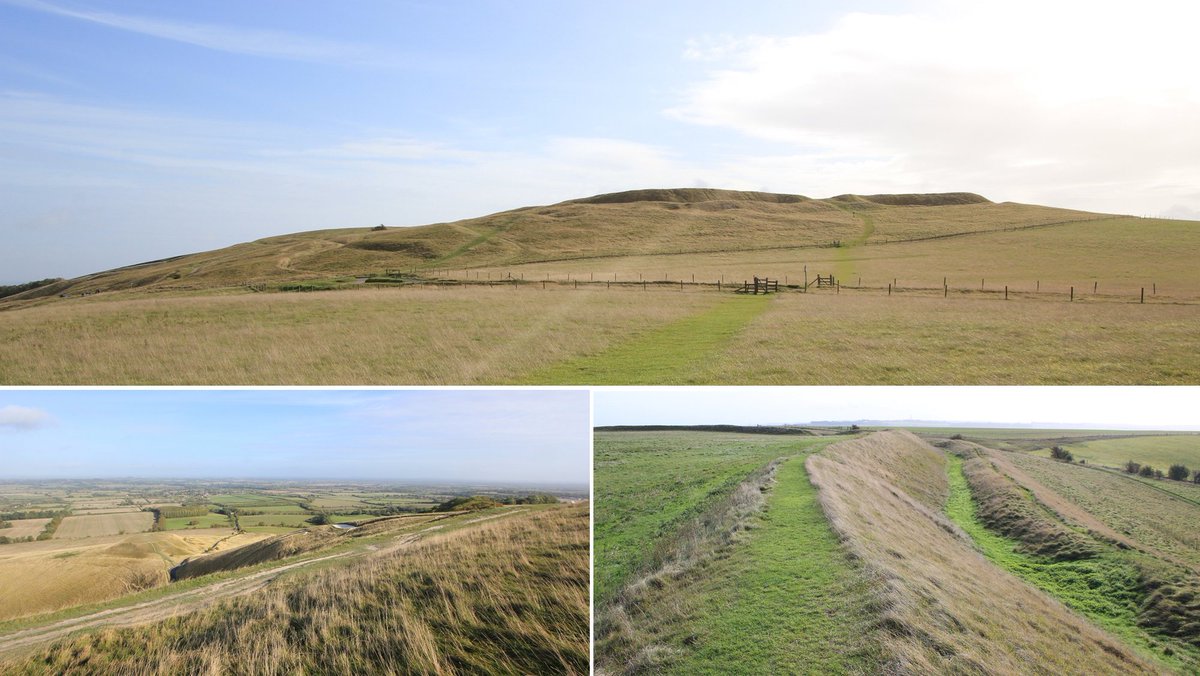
23 528
95 525
39 577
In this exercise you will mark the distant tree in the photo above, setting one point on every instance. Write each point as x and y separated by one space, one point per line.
1158 474
319 519
1196 476
1132 467
1060 453
956 437
1178 473
1146 470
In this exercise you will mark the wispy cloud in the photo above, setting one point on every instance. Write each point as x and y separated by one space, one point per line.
253 42
22 418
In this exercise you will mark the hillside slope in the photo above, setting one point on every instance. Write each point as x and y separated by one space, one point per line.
946 608
642 222
499 596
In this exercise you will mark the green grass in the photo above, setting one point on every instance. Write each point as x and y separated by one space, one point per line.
787 599
248 500
1104 589
205 521
673 354
286 520
647 484
1159 451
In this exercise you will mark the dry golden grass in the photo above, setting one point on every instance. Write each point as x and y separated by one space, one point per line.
670 222
93 525
946 609
384 336
501 596
848 339
38 577
1122 254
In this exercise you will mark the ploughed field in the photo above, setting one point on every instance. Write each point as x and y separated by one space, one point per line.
885 552
643 287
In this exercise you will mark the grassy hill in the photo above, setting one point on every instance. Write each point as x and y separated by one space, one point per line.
502 595
641 223
638 287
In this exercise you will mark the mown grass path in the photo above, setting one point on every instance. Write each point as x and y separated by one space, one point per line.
675 354
1103 589
788 600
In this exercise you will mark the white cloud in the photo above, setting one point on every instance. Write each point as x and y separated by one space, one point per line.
22 418
1037 101
252 42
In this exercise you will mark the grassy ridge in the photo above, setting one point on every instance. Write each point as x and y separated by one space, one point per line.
944 608
502 596
1106 587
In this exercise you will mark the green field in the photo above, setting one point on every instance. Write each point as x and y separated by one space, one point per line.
205 521
1159 451
282 520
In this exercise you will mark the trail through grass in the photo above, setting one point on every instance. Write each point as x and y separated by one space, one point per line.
788 600
673 354
650 483
1104 588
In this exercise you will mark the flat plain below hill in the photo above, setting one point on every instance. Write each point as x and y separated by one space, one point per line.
642 287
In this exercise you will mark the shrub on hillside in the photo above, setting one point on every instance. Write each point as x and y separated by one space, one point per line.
1060 453
1132 467
1146 471
1178 472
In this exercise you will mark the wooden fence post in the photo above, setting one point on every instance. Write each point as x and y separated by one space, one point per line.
1143 300
1072 294
1095 285
889 289
1005 292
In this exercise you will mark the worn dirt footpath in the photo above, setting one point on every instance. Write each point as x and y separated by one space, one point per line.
151 611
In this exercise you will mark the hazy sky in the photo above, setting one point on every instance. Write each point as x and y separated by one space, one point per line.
132 130
1161 408
503 436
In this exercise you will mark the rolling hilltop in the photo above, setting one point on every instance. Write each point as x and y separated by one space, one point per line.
646 287
633 223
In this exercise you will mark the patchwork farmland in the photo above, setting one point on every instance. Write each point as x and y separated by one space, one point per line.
516 564
645 287
883 551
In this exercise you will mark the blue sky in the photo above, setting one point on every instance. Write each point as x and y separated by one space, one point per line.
138 130
492 436
1156 408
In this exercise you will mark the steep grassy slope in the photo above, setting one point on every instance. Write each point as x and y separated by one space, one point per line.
946 608
47 576
501 596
